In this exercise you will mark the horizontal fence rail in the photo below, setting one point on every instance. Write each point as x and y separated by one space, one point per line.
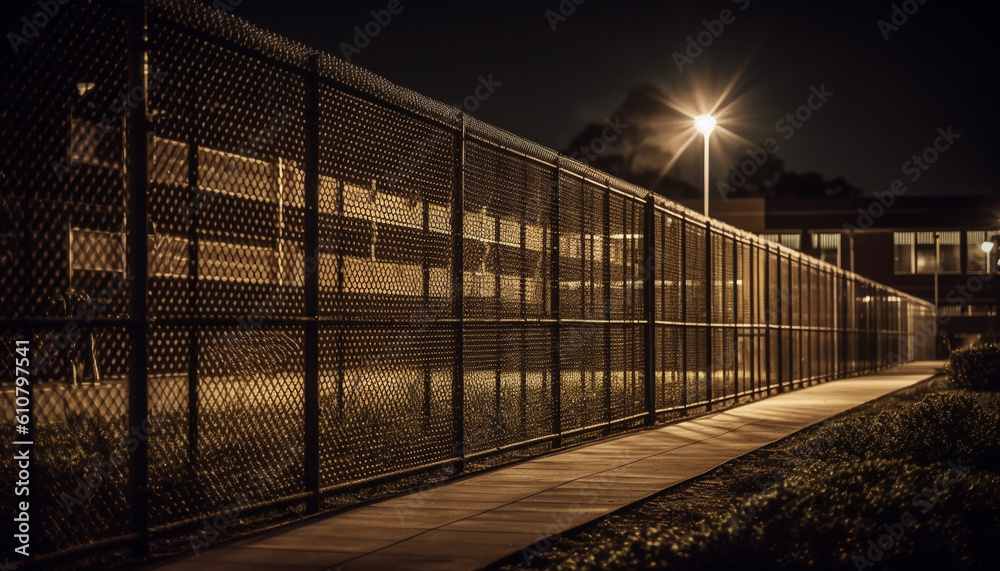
255 278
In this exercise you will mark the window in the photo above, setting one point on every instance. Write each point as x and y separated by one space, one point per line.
236 262
90 145
168 256
170 162
975 256
94 250
793 241
915 252
951 252
826 247
237 175
903 252
968 310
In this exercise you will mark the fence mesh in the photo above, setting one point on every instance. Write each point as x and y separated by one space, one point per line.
346 282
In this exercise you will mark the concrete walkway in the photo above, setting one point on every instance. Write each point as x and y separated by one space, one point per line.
478 520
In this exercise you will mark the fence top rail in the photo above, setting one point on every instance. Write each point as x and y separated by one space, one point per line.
224 27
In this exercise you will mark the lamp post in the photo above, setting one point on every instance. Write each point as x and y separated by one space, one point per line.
937 288
987 247
705 124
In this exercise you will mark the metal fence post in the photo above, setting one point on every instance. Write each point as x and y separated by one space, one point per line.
708 313
556 312
458 297
523 307
138 131
837 326
425 296
810 319
847 327
684 314
751 272
737 318
802 352
649 307
340 336
723 329
193 349
606 301
783 302
311 284
768 315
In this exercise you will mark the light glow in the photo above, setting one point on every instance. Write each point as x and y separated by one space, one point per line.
704 124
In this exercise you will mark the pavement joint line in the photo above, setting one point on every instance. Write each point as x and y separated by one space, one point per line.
528 497
664 428
525 498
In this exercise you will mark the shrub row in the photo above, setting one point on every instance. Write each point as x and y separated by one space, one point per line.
865 471
976 368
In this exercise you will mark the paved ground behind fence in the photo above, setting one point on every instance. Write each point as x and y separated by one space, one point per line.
475 521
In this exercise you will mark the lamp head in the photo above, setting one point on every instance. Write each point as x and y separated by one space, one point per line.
85 87
987 246
704 124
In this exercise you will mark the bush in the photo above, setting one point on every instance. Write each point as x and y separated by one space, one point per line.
991 337
976 368
857 475
941 426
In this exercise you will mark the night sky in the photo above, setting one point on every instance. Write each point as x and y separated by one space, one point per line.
893 87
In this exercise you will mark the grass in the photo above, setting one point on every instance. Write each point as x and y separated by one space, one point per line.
244 441
917 471
250 449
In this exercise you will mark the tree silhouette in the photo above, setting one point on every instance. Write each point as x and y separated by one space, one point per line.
641 152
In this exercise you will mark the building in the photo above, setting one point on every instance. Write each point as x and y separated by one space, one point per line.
893 244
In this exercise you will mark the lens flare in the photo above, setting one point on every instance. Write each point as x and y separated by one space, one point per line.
705 124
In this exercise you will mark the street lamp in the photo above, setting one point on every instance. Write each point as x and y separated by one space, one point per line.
987 247
705 124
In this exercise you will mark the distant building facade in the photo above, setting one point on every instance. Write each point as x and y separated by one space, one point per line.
894 245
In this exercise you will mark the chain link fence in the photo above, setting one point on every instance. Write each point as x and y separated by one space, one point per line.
253 275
